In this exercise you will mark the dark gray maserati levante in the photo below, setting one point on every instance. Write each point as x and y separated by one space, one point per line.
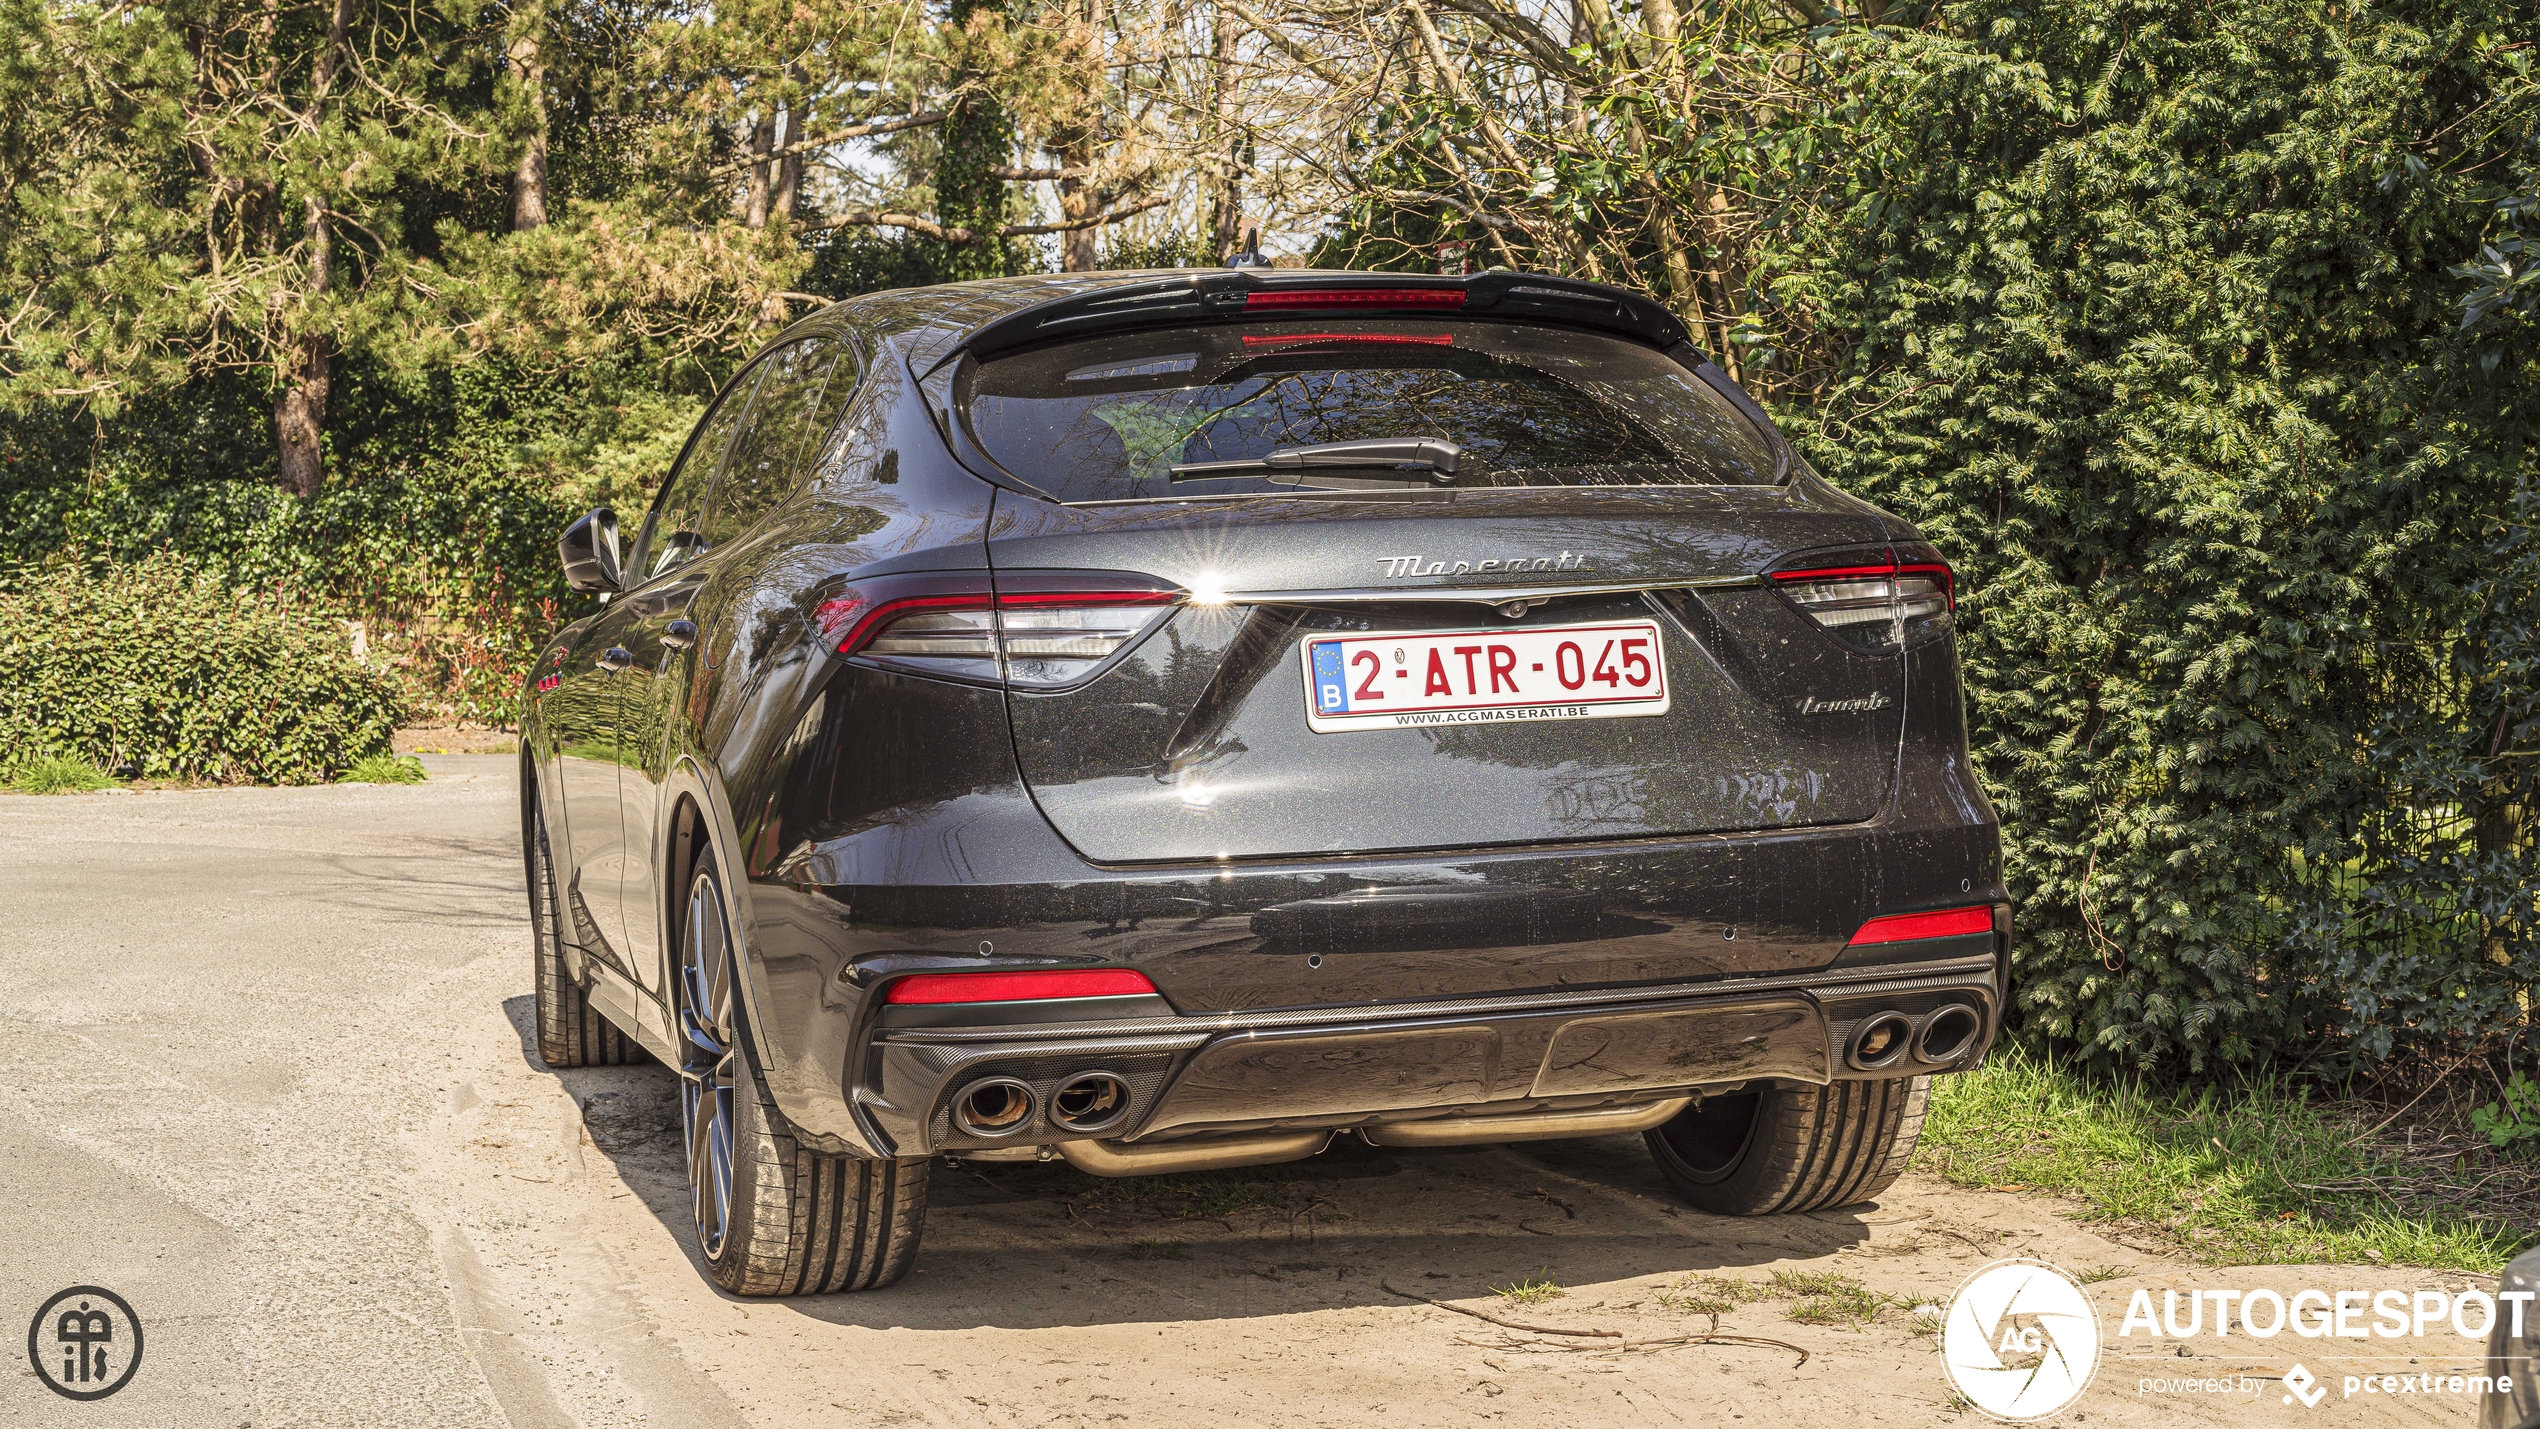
1166 721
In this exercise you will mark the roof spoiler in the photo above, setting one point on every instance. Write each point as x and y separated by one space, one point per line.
1211 295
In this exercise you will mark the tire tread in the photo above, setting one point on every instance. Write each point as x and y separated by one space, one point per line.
571 1031
805 1223
1816 1148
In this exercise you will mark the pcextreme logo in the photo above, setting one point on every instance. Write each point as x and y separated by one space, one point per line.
2019 1340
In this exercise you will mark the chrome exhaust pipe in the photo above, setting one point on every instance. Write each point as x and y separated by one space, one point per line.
1948 1034
1524 1125
1094 1101
1213 1153
999 1106
1880 1041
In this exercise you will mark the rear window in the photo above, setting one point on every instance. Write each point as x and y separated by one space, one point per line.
1109 418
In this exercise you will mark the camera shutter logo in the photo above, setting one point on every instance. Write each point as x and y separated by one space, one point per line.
2020 1340
84 1343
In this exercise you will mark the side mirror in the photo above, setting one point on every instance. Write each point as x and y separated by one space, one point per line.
589 551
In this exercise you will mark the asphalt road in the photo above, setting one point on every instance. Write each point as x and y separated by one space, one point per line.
267 1078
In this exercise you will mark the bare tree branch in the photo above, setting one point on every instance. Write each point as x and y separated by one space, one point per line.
1091 220
836 136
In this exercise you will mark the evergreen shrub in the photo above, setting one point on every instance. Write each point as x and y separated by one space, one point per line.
155 670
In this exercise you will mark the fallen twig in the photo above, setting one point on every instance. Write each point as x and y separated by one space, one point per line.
1495 1320
1666 1342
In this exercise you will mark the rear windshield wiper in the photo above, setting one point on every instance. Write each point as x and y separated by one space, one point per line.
1414 458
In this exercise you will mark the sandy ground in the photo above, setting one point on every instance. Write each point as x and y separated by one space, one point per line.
267 1076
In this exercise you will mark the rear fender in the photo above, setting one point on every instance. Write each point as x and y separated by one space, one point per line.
801 1075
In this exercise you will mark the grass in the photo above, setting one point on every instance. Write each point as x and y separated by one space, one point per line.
48 775
1823 1297
1817 1297
1533 1290
1710 1294
384 769
1154 1248
2266 1173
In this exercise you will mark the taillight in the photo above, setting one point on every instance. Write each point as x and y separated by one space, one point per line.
1292 339
1053 632
1907 927
1874 606
1275 299
939 988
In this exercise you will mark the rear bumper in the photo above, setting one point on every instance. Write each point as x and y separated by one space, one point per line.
1364 964
1318 1068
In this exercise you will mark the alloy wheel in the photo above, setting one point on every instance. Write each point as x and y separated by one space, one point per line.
709 1059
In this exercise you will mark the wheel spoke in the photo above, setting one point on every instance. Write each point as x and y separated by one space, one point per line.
697 1108
698 1035
719 1158
710 1062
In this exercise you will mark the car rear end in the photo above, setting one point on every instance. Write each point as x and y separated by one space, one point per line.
1434 711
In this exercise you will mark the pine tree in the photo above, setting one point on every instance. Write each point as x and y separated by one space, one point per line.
224 185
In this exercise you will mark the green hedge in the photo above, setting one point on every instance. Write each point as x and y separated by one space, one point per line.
156 670
2156 328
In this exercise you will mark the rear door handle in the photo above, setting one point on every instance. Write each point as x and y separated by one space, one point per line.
680 634
616 658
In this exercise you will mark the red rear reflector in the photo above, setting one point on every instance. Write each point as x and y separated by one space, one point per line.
1292 339
1017 986
1354 298
1906 927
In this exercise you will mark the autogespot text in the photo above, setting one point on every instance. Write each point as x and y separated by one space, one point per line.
2464 1317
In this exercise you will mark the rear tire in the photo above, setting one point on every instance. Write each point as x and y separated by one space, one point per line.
773 1217
571 1032
1784 1148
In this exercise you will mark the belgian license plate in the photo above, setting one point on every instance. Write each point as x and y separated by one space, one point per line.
1478 677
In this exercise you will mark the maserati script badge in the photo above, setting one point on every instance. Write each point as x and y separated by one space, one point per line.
1397 567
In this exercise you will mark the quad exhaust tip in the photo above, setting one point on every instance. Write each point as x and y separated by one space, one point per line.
1880 1041
1948 1034
1093 1101
999 1106
1884 1039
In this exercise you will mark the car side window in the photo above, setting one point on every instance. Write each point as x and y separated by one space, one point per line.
675 533
768 456
834 445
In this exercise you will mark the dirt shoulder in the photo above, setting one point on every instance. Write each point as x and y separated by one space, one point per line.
1286 1296
270 1080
